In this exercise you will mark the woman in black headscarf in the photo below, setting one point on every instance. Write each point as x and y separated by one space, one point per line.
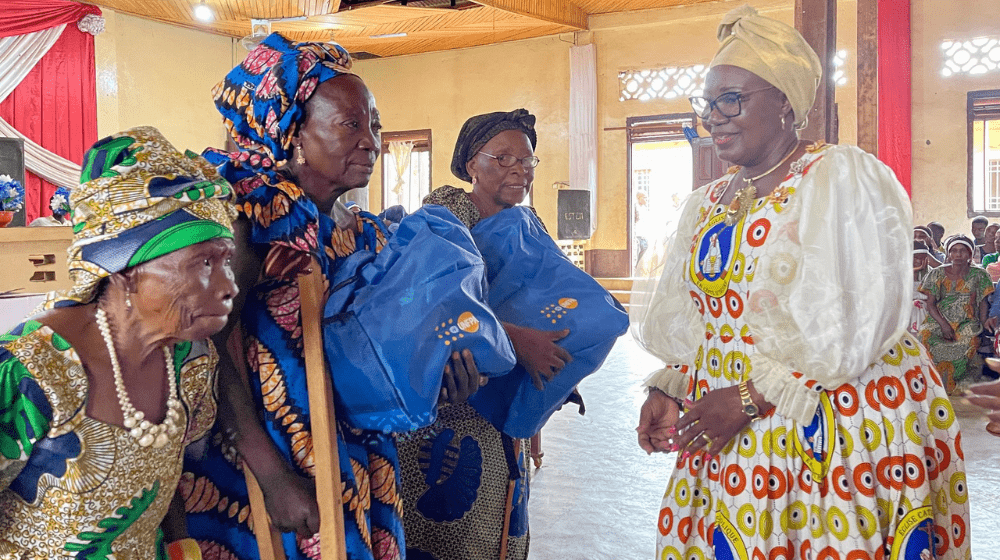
464 485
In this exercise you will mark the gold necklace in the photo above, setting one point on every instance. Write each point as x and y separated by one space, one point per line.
744 197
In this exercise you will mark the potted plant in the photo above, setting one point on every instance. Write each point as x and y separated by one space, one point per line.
11 199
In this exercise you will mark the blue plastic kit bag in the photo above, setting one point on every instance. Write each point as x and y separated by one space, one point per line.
532 284
393 320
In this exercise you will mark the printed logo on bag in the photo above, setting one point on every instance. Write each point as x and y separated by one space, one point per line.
556 311
453 330
468 322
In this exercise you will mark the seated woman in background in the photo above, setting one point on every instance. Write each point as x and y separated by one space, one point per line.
957 312
990 261
937 234
922 234
989 238
921 268
100 393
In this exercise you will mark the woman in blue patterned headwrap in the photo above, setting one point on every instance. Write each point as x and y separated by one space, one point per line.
101 392
308 132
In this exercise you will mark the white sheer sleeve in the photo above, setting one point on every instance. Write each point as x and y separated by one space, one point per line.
665 320
832 293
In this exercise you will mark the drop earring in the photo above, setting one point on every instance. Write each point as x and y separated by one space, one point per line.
301 159
128 300
475 179
783 123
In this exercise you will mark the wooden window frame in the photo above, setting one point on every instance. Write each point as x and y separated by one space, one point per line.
421 139
973 114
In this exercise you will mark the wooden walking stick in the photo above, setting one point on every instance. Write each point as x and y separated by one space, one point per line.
323 426
322 417
268 538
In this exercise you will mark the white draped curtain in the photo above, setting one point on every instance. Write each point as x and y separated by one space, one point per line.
18 55
583 124
401 154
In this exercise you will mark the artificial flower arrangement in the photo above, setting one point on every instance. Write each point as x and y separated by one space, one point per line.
59 203
11 194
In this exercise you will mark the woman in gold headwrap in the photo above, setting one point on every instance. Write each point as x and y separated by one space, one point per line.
809 423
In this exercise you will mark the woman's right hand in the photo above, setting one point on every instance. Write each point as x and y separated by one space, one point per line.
657 418
947 332
290 501
538 353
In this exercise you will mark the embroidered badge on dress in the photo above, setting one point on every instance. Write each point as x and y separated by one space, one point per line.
712 261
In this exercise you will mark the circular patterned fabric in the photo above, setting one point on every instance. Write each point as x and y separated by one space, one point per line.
877 474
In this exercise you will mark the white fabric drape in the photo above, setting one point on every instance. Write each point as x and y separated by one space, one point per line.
18 55
583 124
401 157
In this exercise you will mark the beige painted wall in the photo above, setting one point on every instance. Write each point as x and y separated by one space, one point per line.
940 149
440 90
150 73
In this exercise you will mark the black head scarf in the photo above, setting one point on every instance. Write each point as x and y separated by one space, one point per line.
479 130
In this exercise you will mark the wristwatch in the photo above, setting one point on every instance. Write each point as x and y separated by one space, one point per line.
749 408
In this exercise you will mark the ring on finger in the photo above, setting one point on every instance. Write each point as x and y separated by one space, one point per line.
707 438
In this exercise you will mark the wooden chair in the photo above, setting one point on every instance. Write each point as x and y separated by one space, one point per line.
324 434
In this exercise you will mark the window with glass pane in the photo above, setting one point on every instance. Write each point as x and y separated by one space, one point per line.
406 168
984 152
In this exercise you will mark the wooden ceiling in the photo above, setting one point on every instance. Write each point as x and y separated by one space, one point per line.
390 27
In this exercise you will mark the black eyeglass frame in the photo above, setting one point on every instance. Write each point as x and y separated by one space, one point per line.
712 104
528 162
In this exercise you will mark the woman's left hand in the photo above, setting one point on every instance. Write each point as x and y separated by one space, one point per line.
711 422
538 353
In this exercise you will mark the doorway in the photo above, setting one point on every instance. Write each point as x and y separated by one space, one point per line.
660 175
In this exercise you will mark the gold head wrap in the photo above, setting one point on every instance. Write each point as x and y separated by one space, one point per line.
774 51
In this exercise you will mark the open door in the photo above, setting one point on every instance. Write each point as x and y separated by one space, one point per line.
661 172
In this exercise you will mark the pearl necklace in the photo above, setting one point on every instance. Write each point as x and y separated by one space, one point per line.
139 428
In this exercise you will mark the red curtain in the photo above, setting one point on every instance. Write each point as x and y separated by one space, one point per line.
18 17
894 92
56 106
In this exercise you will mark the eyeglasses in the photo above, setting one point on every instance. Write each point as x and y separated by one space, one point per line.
729 104
507 160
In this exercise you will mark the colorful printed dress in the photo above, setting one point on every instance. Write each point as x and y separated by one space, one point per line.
958 301
456 472
73 486
213 485
862 457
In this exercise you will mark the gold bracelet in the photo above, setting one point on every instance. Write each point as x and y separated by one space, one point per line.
749 408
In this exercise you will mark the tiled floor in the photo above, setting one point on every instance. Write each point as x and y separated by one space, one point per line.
597 494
